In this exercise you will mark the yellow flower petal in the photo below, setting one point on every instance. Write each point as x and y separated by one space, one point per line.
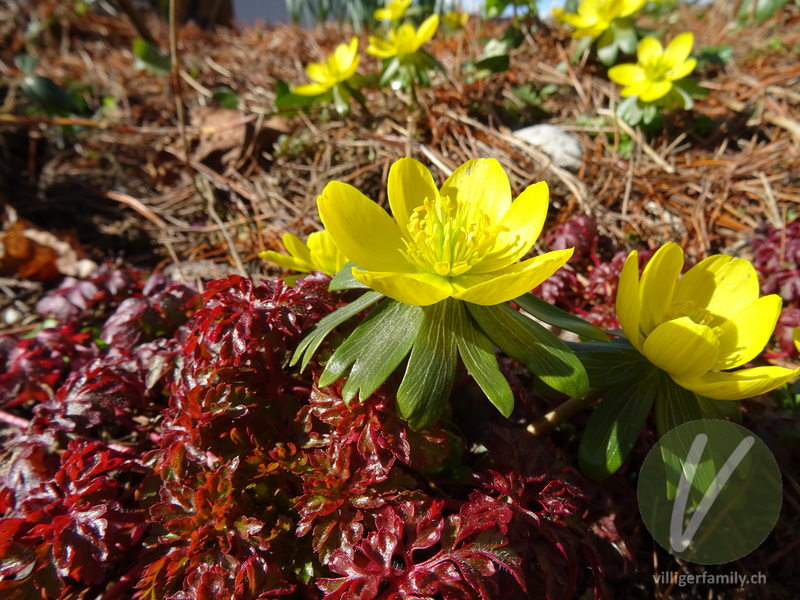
419 289
577 21
682 348
656 90
483 186
628 300
287 262
427 29
519 229
626 74
310 89
345 60
721 284
361 229
325 256
503 285
657 285
796 338
593 32
410 183
295 246
381 48
318 72
649 50
682 70
679 49
744 335
636 89
738 385
630 6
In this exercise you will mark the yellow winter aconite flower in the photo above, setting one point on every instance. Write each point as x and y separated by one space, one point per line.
595 16
702 324
461 241
394 10
455 19
337 68
318 254
404 40
651 78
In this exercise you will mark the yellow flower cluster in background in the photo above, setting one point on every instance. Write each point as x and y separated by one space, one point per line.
594 17
337 68
403 41
393 11
652 77
455 19
699 326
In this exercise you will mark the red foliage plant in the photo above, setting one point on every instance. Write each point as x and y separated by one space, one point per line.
171 453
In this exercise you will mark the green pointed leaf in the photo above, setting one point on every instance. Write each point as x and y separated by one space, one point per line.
528 342
714 55
607 48
758 10
477 352
544 311
513 37
675 405
284 98
684 99
151 58
307 347
390 69
423 393
48 95
610 363
225 97
581 47
692 87
710 461
625 37
630 111
615 425
341 100
344 280
374 349
649 112
721 409
494 64
26 63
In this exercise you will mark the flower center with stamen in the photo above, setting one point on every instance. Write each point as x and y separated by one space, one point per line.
656 70
697 314
448 237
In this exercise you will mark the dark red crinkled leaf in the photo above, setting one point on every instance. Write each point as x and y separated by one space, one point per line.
74 525
415 551
75 299
37 366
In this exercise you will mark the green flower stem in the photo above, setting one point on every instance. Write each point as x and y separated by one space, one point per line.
562 412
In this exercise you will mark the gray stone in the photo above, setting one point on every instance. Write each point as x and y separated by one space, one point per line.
564 150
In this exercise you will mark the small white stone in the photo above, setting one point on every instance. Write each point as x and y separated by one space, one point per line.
11 316
563 149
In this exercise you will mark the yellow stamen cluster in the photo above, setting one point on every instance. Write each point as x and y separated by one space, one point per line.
448 236
688 308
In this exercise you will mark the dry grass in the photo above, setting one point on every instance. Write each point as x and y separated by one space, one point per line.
128 185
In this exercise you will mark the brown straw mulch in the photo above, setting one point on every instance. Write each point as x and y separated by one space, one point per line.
200 192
